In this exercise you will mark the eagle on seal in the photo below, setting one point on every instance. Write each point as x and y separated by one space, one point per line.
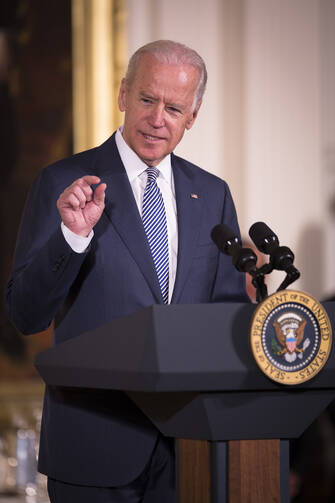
290 333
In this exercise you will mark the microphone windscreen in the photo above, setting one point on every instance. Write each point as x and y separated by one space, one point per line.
223 236
263 237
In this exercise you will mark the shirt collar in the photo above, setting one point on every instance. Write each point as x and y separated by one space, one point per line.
134 166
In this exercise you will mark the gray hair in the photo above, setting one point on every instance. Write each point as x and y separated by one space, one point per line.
167 51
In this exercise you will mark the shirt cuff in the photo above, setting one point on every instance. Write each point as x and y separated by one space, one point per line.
79 244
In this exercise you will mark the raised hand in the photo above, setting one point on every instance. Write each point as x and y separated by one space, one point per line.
80 207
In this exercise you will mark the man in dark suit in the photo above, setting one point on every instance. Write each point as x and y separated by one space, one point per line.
85 257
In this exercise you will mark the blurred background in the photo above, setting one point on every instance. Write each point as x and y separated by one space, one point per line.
267 126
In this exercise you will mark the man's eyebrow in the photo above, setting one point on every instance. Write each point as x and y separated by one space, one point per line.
179 106
146 95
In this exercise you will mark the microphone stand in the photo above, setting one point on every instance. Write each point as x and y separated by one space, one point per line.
259 284
281 257
292 274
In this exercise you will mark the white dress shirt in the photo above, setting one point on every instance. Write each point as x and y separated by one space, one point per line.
135 169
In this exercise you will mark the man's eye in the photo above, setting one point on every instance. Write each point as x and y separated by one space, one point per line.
146 100
173 109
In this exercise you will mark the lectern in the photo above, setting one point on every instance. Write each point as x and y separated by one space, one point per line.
190 370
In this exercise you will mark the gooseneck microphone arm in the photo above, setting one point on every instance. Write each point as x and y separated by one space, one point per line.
281 257
244 259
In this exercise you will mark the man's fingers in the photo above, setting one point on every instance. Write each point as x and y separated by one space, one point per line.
80 207
90 179
99 194
73 201
80 192
82 189
83 194
87 191
85 181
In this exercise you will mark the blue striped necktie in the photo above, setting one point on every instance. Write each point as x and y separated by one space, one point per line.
155 226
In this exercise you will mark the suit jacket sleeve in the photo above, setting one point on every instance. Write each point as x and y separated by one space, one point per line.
44 264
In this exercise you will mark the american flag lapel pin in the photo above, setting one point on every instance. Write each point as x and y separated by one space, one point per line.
194 196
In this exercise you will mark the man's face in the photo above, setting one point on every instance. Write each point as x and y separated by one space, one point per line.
158 107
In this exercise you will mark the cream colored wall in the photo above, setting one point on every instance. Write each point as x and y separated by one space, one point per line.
268 115
282 120
327 150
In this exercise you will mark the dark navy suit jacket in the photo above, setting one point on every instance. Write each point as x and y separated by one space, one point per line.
100 437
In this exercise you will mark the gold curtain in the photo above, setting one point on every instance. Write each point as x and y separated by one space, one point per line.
99 60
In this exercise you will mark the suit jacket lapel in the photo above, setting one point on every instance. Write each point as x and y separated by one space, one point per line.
189 209
121 209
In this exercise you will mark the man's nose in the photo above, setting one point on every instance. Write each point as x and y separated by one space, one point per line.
157 118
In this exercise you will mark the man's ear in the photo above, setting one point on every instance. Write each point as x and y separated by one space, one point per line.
122 99
192 118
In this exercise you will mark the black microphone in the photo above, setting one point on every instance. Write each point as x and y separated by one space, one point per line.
281 257
244 259
266 240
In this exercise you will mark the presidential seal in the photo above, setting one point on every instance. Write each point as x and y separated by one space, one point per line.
290 337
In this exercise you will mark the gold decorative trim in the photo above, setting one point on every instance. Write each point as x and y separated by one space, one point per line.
99 60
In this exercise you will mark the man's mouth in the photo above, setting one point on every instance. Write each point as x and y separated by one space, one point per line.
150 137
